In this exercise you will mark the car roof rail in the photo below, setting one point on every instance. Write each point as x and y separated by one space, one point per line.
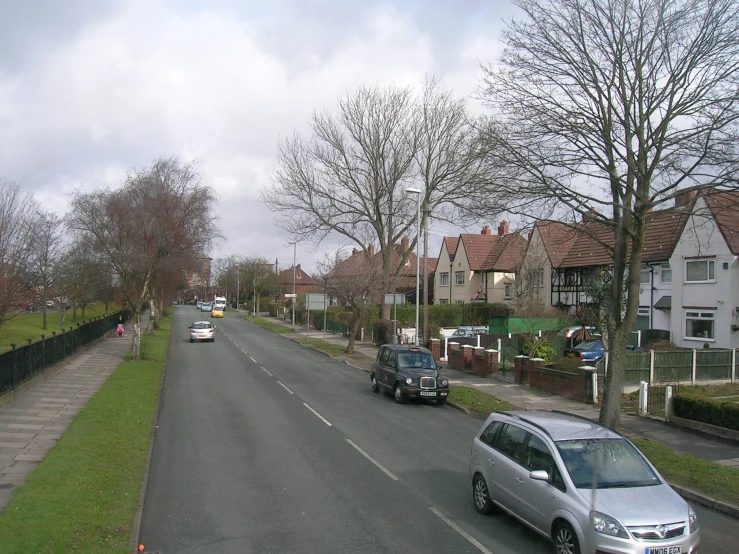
578 416
526 420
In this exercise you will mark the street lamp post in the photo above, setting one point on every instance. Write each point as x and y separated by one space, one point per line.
417 192
294 298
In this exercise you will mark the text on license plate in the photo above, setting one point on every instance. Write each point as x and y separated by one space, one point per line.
664 549
427 393
202 336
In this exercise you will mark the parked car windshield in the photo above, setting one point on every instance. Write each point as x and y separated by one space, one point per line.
606 463
590 345
420 360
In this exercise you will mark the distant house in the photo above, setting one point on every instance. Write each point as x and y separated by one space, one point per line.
500 266
304 283
462 274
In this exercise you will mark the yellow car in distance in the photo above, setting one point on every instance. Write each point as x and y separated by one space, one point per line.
217 311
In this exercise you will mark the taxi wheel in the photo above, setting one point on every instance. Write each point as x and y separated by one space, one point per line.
399 396
441 401
375 386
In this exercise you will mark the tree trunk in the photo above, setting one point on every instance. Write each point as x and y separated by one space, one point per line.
46 322
610 409
352 334
136 340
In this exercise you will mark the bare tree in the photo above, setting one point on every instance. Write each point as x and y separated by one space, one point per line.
16 209
160 212
352 280
46 260
259 279
618 106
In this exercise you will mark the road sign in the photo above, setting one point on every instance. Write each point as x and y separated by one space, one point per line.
315 301
290 295
394 299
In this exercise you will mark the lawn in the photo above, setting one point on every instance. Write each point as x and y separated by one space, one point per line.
479 403
327 347
29 325
274 327
83 497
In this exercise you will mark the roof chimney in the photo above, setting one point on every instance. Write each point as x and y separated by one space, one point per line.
371 250
404 244
486 230
354 251
684 198
297 271
503 228
590 215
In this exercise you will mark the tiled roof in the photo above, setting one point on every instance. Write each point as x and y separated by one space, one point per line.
507 254
286 276
477 248
557 238
724 207
359 263
594 242
451 246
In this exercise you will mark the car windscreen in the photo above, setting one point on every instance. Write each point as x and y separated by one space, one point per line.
606 463
419 360
201 326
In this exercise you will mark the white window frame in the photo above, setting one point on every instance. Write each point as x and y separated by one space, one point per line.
442 279
665 269
507 290
698 314
645 273
459 301
457 280
710 268
443 301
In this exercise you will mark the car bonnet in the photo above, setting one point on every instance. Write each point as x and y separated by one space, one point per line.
657 504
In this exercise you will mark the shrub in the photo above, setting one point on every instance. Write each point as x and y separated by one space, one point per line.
543 350
383 331
713 412
272 308
434 332
568 364
446 315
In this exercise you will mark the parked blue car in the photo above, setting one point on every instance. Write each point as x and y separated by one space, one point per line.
592 351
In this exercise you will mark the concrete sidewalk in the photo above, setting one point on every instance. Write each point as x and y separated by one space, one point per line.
679 439
33 422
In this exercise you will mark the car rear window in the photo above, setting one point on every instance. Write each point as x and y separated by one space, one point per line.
590 345
201 326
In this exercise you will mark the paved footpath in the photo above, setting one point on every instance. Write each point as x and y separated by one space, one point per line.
32 423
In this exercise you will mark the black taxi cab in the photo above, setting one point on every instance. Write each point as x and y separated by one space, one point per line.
408 372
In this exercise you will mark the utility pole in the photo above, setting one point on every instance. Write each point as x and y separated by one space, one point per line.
426 214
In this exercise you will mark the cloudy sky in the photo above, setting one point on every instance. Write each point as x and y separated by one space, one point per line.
89 88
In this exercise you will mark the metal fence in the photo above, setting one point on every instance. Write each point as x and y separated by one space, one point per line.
26 361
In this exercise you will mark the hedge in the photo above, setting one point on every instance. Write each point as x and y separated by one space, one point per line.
713 412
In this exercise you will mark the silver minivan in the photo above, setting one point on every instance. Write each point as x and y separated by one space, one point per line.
583 486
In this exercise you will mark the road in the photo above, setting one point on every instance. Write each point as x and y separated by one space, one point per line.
265 446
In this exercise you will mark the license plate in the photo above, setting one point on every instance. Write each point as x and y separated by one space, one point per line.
570 355
677 549
202 336
427 393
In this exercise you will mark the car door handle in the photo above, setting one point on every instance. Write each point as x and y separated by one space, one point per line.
492 462
519 480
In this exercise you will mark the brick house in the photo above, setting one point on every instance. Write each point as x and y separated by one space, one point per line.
304 283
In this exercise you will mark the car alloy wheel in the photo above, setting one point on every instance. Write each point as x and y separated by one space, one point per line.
399 397
480 495
375 386
565 539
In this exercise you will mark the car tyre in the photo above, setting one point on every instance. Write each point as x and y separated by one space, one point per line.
375 386
441 401
565 539
191 341
399 396
481 495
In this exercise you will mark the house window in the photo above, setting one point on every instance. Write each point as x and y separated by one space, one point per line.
644 277
570 277
443 279
540 282
699 325
507 290
700 271
642 319
443 301
459 277
665 274
459 301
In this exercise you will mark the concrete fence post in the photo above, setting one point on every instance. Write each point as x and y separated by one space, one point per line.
643 393
651 367
668 403
733 365
594 377
695 361
499 345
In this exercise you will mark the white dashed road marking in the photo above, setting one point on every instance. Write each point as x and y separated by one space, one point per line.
285 387
371 459
319 416
461 531
265 370
252 359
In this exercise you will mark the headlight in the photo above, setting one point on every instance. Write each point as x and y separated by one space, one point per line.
693 517
408 381
606 525
444 382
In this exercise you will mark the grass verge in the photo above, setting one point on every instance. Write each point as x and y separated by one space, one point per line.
479 403
327 347
274 327
702 476
83 496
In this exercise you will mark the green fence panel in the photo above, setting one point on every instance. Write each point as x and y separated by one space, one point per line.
637 368
712 364
672 366
528 325
498 326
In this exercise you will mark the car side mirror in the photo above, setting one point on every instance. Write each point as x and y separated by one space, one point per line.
539 475
439 366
